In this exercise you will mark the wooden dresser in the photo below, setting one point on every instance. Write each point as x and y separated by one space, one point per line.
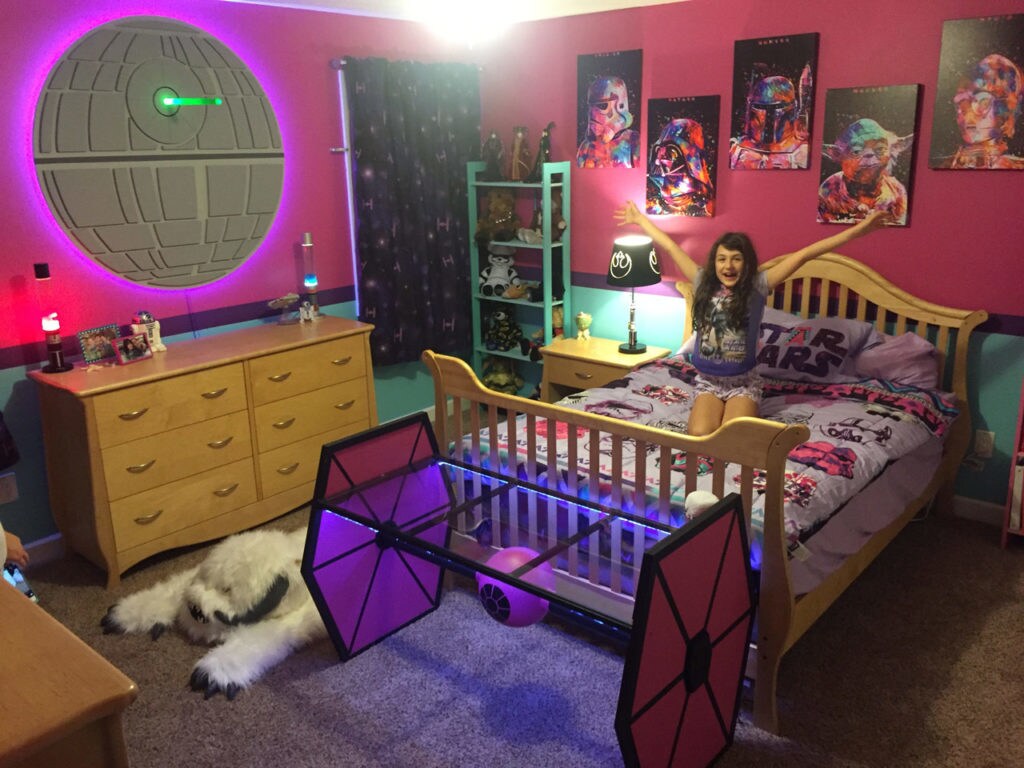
213 436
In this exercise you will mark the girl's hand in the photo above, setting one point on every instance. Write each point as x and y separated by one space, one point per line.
875 220
628 214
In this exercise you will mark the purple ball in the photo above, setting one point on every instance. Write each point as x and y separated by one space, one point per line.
512 606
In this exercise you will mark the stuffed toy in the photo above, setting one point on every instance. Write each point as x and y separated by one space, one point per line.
583 321
519 165
502 332
500 221
500 375
534 234
531 347
248 598
498 276
698 502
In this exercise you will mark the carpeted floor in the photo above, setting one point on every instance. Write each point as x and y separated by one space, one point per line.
918 664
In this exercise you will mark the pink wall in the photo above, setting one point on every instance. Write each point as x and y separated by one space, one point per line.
963 245
965 233
289 53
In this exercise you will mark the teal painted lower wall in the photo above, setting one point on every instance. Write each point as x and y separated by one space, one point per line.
997 363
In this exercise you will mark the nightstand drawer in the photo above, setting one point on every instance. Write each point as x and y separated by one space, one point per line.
287 421
581 373
151 461
275 377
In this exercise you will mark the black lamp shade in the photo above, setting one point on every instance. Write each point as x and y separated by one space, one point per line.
634 262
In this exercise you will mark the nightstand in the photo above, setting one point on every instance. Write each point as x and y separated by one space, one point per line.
571 365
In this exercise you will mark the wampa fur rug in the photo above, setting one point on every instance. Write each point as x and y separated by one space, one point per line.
247 598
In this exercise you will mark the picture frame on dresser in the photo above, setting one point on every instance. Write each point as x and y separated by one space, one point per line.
97 344
132 348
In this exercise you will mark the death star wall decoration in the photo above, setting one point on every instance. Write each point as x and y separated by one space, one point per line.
158 152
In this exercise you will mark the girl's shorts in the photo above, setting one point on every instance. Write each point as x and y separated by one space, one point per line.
747 384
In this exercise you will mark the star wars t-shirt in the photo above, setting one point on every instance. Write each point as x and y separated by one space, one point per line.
723 350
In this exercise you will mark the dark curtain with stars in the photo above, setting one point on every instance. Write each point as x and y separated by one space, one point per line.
414 126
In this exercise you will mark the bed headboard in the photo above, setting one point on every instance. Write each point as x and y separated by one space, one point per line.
837 286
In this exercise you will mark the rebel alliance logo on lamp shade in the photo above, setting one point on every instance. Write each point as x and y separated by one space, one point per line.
634 262
145 171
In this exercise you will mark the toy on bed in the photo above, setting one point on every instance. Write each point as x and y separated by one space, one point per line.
247 598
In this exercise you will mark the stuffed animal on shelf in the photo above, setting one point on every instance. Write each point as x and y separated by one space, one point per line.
519 165
500 375
502 332
498 276
583 321
531 347
500 221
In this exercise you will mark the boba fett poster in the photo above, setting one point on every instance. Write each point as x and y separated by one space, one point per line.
608 109
772 102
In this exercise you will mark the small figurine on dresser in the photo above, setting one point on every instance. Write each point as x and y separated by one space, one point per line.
143 322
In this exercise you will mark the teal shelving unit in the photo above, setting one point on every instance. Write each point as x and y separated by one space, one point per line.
554 259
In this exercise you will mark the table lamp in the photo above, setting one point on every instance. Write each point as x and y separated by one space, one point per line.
55 362
634 263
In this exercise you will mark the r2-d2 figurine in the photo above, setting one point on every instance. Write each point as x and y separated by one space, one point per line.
143 322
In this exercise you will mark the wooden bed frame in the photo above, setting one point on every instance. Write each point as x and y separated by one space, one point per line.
831 285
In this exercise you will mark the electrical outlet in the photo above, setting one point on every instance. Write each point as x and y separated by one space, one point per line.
984 444
8 488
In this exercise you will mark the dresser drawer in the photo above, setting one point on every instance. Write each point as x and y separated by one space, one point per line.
297 463
174 506
150 409
145 463
284 374
326 409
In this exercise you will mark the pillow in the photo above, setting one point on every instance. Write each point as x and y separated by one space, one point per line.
905 359
821 349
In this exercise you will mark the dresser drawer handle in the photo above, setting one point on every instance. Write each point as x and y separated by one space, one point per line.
342 360
136 469
284 423
214 394
278 378
132 415
221 443
222 492
288 470
345 406
149 518
584 376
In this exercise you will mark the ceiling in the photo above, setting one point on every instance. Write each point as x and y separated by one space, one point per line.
522 10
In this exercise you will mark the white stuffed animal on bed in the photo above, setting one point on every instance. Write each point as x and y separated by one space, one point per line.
698 502
247 597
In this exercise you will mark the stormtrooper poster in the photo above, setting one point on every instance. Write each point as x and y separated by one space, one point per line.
682 162
867 152
772 102
607 109
978 95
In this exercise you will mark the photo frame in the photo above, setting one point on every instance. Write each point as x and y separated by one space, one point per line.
132 348
98 343
608 101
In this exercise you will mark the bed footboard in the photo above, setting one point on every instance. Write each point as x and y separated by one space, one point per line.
468 418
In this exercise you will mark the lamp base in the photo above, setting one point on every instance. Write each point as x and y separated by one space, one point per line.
63 368
632 349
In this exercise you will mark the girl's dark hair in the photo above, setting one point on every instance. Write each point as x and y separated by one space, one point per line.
736 306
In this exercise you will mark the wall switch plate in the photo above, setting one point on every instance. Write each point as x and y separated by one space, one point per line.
984 444
8 488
